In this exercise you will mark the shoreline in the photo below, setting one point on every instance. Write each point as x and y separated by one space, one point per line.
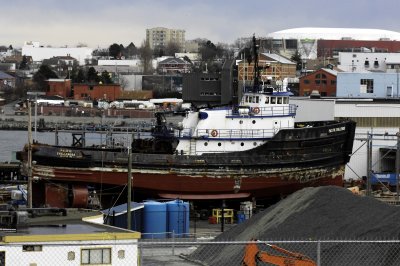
49 123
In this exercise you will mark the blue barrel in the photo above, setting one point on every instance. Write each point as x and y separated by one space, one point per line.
241 217
178 218
154 220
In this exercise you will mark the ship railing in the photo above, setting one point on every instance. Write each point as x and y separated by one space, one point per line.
217 133
267 111
184 133
236 133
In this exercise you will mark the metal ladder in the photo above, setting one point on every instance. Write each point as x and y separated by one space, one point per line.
192 146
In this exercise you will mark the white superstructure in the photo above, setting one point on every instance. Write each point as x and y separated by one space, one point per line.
219 130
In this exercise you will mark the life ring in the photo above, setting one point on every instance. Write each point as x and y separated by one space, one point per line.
256 110
214 133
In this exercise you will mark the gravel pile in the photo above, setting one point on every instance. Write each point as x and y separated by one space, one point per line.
323 213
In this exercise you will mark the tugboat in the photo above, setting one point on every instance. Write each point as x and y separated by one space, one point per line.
251 150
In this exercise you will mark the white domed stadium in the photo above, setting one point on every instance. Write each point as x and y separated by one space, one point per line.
305 39
335 34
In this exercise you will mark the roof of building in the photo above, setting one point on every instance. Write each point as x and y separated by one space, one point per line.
330 71
57 80
121 209
278 58
68 232
175 61
75 226
4 75
55 60
335 34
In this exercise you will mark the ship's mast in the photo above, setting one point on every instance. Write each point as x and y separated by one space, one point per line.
256 68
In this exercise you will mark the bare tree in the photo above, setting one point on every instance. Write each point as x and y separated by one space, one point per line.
172 48
123 82
146 56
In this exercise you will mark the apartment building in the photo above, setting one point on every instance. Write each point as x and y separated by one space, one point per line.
160 37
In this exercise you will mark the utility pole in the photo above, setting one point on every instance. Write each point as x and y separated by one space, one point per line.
369 163
29 155
36 116
398 165
129 199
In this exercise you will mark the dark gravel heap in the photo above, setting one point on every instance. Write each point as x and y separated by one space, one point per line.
323 213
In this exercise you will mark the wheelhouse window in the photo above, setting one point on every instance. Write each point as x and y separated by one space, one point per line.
279 100
273 100
267 100
367 86
285 100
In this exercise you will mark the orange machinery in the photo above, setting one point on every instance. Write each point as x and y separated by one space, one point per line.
253 254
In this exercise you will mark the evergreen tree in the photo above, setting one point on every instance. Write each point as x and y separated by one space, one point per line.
42 75
130 50
92 75
80 77
105 77
24 63
115 51
297 58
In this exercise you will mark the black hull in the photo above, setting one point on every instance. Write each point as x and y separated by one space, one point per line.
321 144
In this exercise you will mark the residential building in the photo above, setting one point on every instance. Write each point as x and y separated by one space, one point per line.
6 81
158 38
173 66
274 68
61 65
322 80
39 52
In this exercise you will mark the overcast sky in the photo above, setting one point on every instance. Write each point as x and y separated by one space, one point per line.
99 23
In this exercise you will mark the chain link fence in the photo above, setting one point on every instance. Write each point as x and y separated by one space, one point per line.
190 251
